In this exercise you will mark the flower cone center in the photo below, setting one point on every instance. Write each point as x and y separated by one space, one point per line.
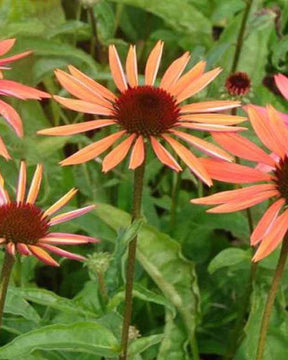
281 178
238 84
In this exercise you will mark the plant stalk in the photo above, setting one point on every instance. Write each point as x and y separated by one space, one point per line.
4 281
136 213
271 298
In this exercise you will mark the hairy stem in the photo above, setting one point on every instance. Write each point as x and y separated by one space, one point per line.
4 281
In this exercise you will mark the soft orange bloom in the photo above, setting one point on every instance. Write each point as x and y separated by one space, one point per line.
25 228
146 113
273 171
14 89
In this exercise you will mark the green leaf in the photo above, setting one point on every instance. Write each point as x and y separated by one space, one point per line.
142 344
228 257
86 337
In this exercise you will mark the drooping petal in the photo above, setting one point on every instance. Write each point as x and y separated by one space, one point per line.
190 160
273 238
83 106
242 147
80 90
137 154
266 222
35 185
67 239
163 155
3 150
210 127
2 241
70 215
220 119
233 195
282 84
6 45
21 187
153 63
203 145
195 72
12 117
60 203
243 204
42 255
62 252
10 59
23 249
209 106
94 85
174 71
197 85
20 91
11 249
4 196
117 154
93 150
76 128
131 67
234 173
116 69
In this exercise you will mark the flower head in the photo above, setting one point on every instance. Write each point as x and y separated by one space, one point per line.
238 84
146 113
272 175
25 228
14 89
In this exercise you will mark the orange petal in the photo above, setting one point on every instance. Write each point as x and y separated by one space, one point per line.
93 150
220 119
42 255
99 89
153 62
80 90
174 71
116 69
163 155
211 127
117 154
20 194
20 91
60 203
234 173
35 185
12 117
197 85
11 249
13 58
6 45
203 145
282 84
23 249
280 129
273 238
3 150
195 72
83 106
209 106
266 222
131 67
242 147
137 154
76 128
190 160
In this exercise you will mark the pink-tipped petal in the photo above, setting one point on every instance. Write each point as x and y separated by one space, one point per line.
137 154
282 84
62 252
10 59
42 255
210 127
6 45
153 63
67 239
163 155
266 222
60 203
21 187
11 249
23 249
3 150
174 71
209 106
12 117
35 185
131 67
116 69
117 154
20 91
220 119
71 215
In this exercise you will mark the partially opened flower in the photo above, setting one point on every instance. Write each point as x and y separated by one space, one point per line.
272 181
146 113
14 89
26 229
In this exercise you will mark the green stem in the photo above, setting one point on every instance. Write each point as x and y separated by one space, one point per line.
102 287
194 348
136 213
240 39
4 281
94 46
174 200
271 298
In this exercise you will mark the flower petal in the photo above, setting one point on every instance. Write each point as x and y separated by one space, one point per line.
116 69
12 117
93 150
209 106
6 45
23 249
3 150
137 154
67 239
220 119
282 84
35 185
62 252
210 127
174 71
117 154
131 67
20 91
42 255
280 129
153 63
21 187
11 249
163 155
13 58
70 215
60 203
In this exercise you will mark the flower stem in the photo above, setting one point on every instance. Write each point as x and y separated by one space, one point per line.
271 298
4 281
136 212
174 200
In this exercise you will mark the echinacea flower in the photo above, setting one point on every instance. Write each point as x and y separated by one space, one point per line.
273 179
25 228
14 89
146 113
238 84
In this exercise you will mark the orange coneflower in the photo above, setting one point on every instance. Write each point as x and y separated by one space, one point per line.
271 130
15 89
25 228
146 113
